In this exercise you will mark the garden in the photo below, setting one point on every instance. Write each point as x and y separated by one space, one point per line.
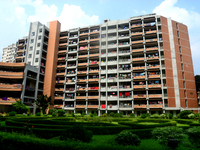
109 131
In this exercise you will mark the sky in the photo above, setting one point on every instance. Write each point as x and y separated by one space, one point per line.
16 15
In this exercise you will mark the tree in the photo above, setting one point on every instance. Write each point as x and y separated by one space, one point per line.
43 102
20 107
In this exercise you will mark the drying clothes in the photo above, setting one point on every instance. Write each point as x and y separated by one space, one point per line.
120 93
127 93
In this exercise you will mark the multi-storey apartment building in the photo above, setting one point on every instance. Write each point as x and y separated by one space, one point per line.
139 65
8 54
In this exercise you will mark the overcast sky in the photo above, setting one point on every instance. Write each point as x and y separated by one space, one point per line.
16 15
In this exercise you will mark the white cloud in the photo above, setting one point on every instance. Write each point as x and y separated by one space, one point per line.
143 12
187 17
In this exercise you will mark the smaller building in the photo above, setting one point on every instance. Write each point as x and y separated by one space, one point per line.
8 54
17 82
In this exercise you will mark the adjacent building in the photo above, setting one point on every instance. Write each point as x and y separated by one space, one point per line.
139 65
8 53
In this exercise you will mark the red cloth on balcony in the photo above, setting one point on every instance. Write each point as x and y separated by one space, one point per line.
103 106
127 93
120 93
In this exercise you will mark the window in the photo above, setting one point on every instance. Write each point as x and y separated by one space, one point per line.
32 40
184 84
182 66
30 55
38 44
36 59
37 52
33 34
176 25
181 58
178 33
39 37
40 30
31 48
179 42
29 62
185 93
180 49
186 104
183 75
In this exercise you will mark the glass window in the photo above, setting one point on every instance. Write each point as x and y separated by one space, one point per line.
179 42
185 93
178 33
32 40
180 49
30 55
38 44
184 84
186 104
39 37
182 66
176 25
181 58
36 59
183 75
33 34
31 48
37 52
40 30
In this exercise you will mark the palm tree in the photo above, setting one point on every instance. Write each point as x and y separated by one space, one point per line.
43 102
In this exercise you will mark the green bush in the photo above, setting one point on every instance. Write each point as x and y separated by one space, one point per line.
54 114
104 115
191 116
163 116
121 114
51 111
127 138
196 115
165 133
116 115
20 107
91 115
38 114
194 136
95 114
182 121
112 114
155 116
142 133
143 116
61 112
83 114
12 113
132 115
77 132
77 115
170 116
73 115
184 114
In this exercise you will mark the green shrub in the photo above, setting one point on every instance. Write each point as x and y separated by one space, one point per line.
163 116
182 121
61 112
142 133
77 132
112 114
73 115
12 113
83 114
170 116
148 115
127 138
104 115
155 116
77 115
91 115
116 115
132 115
95 114
54 114
121 114
165 133
143 116
191 116
51 111
38 114
194 136
184 114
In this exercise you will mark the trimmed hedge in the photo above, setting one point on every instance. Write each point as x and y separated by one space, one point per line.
146 126
194 124
142 133
153 120
184 121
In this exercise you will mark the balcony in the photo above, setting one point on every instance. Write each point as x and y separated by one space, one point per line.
94 55
62 52
83 48
83 41
10 87
70 82
80 106
112 107
60 74
154 86
8 100
63 44
93 97
154 76
93 80
61 59
81 89
152 49
155 106
94 40
103 106
139 86
93 106
81 97
151 40
82 56
12 74
137 42
82 64
94 47
82 72
155 95
136 25
94 63
64 37
60 81
59 89
136 33
138 50
138 59
150 32
152 58
94 32
140 96
61 66
81 80
94 71
154 67
59 98
58 106
83 34
140 106
19 57
93 88
139 68
139 77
